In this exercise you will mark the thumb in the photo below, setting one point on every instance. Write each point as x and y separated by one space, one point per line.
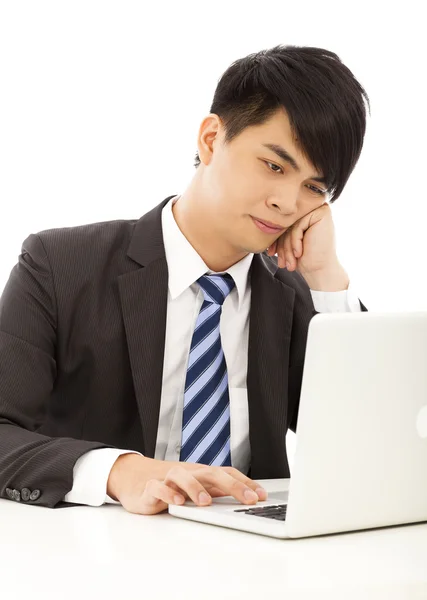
271 251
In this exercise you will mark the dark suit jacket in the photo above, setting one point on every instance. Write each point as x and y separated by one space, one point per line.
82 334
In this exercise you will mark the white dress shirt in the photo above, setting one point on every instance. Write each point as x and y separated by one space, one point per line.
185 298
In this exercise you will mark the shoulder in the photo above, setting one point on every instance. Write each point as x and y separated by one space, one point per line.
88 234
82 245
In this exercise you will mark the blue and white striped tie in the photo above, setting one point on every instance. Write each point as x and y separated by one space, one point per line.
206 414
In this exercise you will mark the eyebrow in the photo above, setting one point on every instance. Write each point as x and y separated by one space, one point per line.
285 156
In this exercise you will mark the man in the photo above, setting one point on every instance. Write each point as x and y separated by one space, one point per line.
161 359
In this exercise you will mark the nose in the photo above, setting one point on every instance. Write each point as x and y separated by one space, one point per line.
286 207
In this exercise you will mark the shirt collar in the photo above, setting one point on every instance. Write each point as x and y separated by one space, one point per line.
185 265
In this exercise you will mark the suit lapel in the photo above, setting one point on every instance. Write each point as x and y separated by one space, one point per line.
144 304
143 296
270 326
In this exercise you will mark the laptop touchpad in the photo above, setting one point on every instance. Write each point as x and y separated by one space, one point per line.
273 498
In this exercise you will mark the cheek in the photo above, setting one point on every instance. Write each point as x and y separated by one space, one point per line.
236 189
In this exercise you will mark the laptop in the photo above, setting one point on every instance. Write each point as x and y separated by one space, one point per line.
360 458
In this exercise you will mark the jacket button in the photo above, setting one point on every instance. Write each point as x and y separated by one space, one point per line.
9 493
16 495
35 494
25 494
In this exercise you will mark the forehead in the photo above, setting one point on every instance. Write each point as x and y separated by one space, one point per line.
276 129
275 137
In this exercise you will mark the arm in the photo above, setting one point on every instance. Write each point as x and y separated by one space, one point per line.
90 477
27 375
341 301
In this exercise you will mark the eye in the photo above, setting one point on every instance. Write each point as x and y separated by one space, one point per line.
316 190
269 163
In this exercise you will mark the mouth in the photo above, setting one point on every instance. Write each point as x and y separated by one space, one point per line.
266 227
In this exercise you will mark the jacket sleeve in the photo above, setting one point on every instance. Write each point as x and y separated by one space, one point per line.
29 460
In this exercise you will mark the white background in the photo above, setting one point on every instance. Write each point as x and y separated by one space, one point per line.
101 101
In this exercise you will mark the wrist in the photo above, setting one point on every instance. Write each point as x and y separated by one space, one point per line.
118 473
331 279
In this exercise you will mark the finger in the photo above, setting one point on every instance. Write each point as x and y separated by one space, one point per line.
211 490
272 249
177 489
287 252
254 485
216 492
189 483
281 250
157 496
296 243
231 485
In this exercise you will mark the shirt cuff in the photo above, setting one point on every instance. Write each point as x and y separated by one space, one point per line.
342 301
90 476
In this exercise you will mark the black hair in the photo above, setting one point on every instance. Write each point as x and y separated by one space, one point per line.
321 97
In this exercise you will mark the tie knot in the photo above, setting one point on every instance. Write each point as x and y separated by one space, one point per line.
216 287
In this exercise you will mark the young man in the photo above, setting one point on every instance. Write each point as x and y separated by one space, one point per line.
161 359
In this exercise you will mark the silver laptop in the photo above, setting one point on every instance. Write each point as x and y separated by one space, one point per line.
361 446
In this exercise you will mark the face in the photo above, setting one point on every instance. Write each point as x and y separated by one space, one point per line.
244 179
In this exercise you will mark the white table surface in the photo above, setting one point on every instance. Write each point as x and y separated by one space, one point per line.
105 552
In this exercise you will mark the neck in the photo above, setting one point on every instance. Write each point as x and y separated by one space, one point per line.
199 226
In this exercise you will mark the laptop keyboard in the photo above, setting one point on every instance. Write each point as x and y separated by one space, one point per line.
275 511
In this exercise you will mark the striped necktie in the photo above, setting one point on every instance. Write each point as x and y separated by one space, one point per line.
206 414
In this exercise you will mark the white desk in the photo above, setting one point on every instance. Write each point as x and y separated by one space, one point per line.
83 552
